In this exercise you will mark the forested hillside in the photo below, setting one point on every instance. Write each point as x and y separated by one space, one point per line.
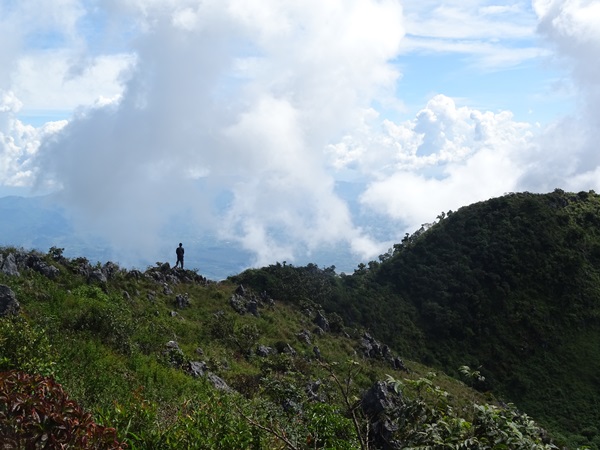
510 286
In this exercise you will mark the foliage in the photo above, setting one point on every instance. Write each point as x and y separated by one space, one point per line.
427 421
24 347
35 412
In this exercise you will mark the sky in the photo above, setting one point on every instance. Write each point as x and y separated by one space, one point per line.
287 127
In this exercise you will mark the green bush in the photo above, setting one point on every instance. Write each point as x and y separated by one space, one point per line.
24 347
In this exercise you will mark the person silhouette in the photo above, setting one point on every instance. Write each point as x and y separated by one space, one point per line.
179 251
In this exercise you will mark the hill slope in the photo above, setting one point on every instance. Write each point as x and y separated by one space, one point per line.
172 360
510 286
514 283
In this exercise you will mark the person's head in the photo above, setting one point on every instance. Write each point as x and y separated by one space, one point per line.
180 244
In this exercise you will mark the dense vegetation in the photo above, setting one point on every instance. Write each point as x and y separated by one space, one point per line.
502 294
510 286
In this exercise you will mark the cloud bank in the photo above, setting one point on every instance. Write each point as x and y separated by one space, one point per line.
243 118
237 99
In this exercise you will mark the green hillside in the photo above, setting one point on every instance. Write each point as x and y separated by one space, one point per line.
514 283
510 286
96 356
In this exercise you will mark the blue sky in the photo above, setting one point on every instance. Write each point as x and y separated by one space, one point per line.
135 111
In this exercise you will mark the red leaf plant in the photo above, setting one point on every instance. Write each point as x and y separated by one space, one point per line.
36 413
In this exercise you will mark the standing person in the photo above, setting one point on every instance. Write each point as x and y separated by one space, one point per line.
179 251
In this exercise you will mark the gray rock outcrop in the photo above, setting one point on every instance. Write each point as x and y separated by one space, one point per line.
9 266
8 302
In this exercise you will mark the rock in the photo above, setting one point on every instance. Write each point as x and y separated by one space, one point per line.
166 289
9 266
241 291
196 368
218 382
322 321
375 403
97 276
264 351
252 308
174 354
110 269
377 399
39 265
182 301
317 352
312 391
304 336
371 348
172 345
8 302
135 274
289 350
238 303
398 364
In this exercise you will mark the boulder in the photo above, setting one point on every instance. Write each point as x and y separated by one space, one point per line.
217 382
97 276
182 301
238 303
322 321
196 368
174 354
9 266
252 308
377 404
41 266
304 336
110 269
264 351
8 302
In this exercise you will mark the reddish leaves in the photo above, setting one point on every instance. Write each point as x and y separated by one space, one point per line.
36 413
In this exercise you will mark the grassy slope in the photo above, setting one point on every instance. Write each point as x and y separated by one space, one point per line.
105 344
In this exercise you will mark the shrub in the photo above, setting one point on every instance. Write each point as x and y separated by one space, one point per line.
24 347
35 412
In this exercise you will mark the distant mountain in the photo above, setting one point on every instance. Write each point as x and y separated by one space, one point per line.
41 223
32 222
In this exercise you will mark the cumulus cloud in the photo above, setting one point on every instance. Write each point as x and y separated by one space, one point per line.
230 100
242 118
444 158
572 28
19 143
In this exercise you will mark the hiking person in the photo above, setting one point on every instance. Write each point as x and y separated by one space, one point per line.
179 251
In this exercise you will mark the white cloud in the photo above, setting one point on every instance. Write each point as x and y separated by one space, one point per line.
492 36
247 94
572 27
241 115
446 157
64 90
19 143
